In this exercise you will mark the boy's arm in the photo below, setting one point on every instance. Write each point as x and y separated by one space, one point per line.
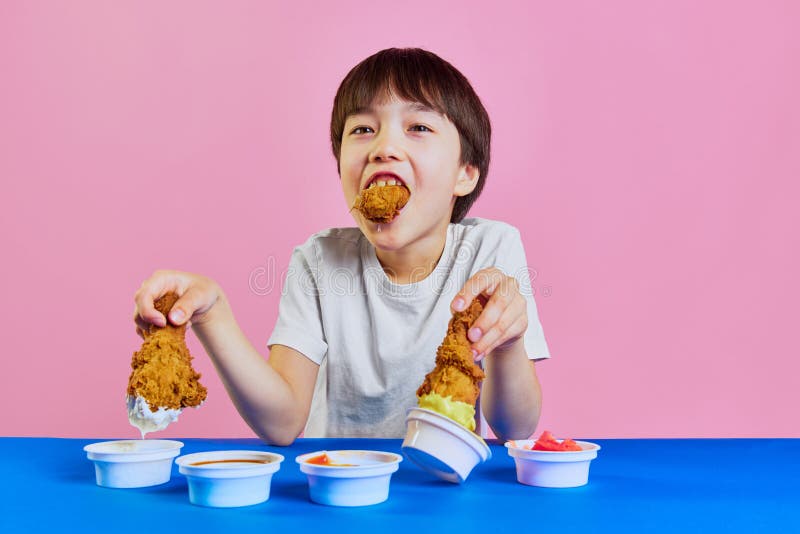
273 397
511 397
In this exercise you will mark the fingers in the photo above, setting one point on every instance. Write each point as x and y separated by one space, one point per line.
484 281
195 300
490 331
160 283
505 292
504 318
514 332
142 326
196 295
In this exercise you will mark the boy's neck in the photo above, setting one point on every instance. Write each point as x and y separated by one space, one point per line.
415 262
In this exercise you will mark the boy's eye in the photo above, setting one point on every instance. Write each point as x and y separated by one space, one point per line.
366 129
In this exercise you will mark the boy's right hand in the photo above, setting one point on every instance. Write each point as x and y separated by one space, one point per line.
198 295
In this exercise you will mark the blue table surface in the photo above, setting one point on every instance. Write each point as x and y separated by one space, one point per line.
651 485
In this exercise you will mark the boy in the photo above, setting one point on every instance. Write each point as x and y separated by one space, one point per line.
364 308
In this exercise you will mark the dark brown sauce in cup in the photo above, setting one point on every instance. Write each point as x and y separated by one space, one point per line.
209 462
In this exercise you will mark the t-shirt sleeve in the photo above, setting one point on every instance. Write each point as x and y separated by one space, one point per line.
512 261
299 323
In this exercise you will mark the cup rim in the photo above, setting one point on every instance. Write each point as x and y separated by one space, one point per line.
146 450
391 462
586 446
187 459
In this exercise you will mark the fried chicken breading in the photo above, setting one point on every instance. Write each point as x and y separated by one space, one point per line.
382 204
162 369
456 375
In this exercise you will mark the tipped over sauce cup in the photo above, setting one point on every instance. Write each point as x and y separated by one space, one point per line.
441 446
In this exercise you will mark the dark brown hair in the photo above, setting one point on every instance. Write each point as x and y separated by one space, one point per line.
417 75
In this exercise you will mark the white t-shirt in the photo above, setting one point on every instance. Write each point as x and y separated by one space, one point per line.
375 340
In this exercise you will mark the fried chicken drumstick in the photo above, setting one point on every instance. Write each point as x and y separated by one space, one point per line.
383 203
162 381
453 386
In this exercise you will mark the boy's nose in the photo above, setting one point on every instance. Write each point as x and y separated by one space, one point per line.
385 148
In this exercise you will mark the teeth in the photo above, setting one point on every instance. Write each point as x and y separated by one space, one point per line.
380 182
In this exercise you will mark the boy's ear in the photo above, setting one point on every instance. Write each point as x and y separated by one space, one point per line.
467 180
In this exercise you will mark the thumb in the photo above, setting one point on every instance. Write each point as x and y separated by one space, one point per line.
185 307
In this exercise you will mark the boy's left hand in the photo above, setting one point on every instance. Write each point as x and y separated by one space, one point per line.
505 315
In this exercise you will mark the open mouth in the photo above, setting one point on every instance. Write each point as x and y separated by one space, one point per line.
383 197
384 179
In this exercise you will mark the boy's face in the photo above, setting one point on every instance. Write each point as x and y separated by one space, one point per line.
419 146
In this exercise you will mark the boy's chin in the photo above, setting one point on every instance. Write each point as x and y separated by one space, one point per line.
383 235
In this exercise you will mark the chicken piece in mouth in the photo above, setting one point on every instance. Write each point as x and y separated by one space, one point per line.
382 201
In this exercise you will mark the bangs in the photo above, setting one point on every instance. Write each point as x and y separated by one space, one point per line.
412 75
383 83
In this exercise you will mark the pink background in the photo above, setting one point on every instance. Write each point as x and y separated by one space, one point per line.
648 151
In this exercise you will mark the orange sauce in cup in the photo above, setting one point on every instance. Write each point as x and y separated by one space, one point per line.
324 459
